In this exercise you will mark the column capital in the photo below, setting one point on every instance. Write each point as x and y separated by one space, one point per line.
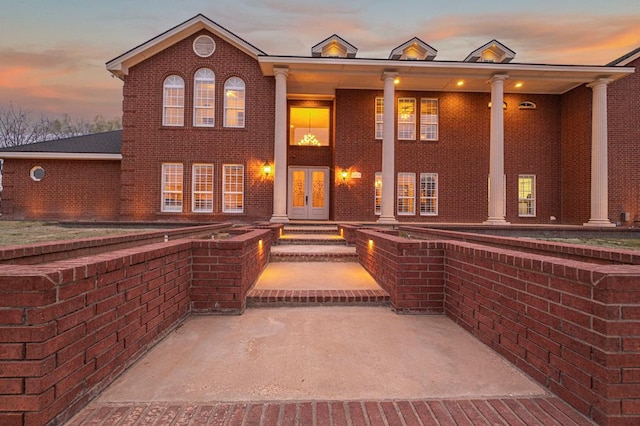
281 71
386 75
498 77
599 82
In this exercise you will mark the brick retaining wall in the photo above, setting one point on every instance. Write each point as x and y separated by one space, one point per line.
69 328
572 326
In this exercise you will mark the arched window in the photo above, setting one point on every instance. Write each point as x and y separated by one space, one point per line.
173 102
204 90
234 96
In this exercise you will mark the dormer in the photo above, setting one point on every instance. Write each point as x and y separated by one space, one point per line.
494 51
334 47
414 50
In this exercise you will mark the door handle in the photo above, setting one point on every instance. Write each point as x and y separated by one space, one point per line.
306 200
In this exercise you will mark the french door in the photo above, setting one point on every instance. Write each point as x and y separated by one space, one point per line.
308 195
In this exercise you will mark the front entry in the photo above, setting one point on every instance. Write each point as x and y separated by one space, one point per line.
308 196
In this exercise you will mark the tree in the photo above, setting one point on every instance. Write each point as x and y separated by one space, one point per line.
18 128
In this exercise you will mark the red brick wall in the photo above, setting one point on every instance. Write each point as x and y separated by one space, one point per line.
624 146
225 270
410 271
147 144
460 156
70 190
69 328
576 156
572 326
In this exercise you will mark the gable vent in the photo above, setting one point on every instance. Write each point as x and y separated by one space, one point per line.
204 46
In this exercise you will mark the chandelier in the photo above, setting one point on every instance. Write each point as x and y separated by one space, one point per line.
309 139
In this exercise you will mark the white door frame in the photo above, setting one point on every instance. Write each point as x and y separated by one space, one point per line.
308 211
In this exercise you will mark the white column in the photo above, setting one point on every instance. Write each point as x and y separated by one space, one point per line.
496 153
599 166
388 151
280 148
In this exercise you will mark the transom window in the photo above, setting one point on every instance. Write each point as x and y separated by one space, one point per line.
378 194
204 89
379 117
234 102
428 119
406 194
202 188
173 101
232 188
406 119
171 187
526 195
428 194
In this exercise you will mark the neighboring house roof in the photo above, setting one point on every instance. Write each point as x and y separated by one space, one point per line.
120 65
494 51
334 46
415 49
97 146
626 59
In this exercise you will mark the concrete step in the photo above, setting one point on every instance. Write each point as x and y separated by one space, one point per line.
280 298
307 239
310 229
313 253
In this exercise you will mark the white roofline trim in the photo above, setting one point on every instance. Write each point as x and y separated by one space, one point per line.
628 60
58 156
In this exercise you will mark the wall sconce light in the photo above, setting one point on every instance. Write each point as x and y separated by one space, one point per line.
344 175
266 169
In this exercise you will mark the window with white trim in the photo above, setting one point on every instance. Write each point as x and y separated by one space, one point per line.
428 119
406 194
526 195
202 188
171 187
406 119
428 194
204 93
232 188
378 194
173 101
234 102
379 117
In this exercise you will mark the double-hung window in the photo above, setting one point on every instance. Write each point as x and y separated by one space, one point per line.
232 188
173 101
377 201
428 119
204 89
526 195
379 117
202 188
406 194
234 102
171 187
428 194
406 119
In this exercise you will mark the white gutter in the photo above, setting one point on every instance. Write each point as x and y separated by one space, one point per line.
58 156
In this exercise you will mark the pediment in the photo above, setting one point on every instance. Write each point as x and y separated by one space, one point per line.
334 47
494 51
414 49
120 65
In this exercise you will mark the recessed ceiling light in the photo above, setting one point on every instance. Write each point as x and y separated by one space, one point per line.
519 85
460 83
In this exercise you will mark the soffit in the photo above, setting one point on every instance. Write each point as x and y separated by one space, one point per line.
322 76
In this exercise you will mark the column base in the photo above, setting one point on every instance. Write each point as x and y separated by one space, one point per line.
605 223
388 220
496 221
279 218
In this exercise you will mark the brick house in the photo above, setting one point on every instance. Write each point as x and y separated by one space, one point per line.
216 129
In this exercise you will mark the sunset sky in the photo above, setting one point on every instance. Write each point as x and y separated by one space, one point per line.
53 53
